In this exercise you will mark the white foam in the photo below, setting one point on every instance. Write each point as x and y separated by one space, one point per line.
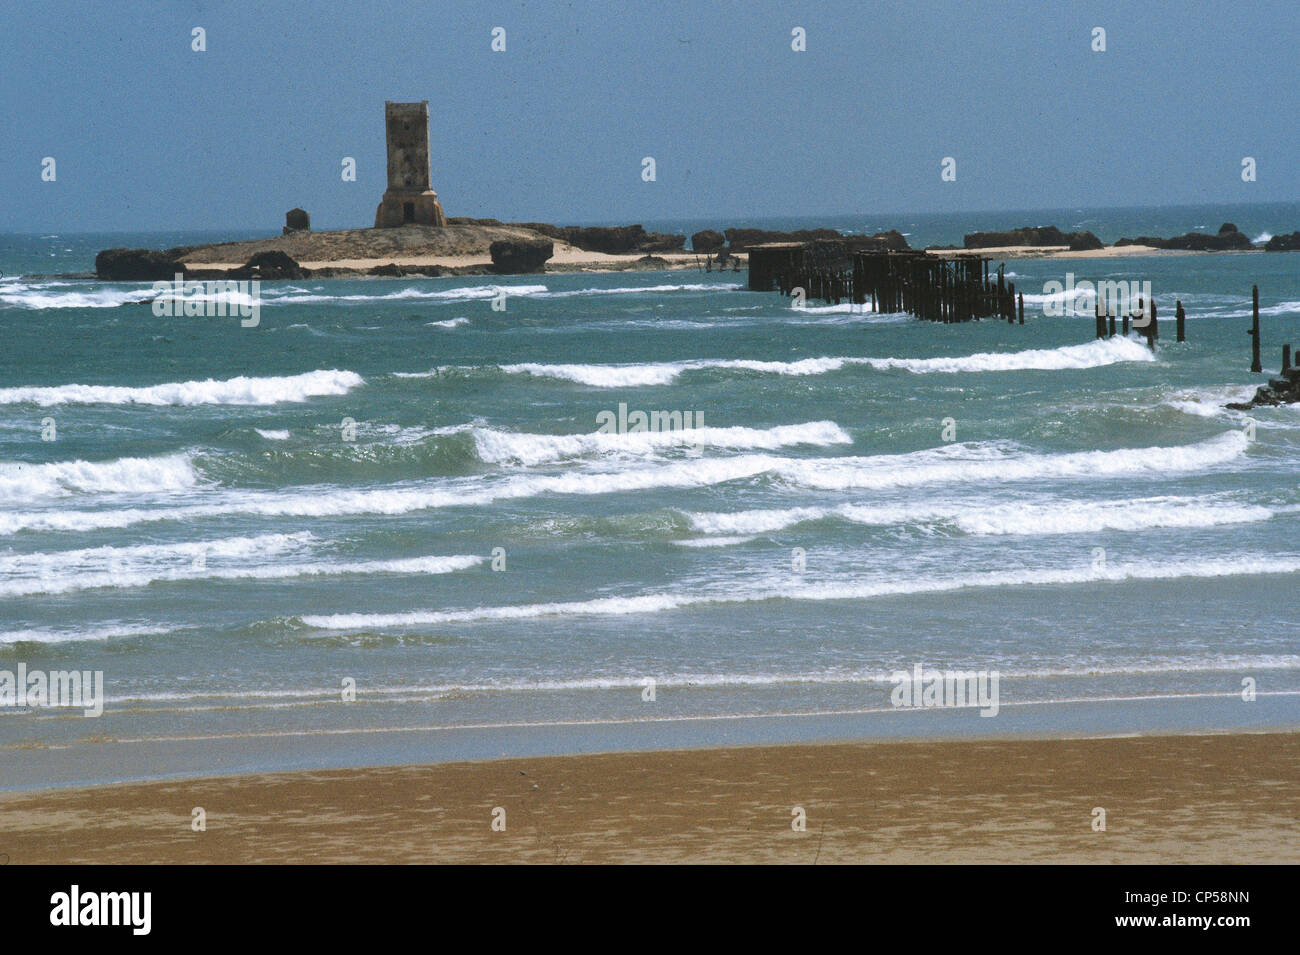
1063 517
642 290
1091 517
60 295
1209 402
273 435
1245 310
828 676
414 294
963 464
601 376
449 323
67 570
713 541
955 464
506 447
839 590
330 501
232 391
23 482
73 635
93 574
1093 354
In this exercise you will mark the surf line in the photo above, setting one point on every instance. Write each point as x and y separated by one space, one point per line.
625 422
217 298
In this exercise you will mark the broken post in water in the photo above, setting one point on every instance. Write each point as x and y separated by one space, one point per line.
1181 318
1150 328
1286 358
1255 364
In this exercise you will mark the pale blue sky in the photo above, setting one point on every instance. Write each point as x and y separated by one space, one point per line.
148 134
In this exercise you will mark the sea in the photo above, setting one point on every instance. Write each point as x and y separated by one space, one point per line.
413 519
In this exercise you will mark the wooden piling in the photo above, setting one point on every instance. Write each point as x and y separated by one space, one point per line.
1180 317
1021 308
1286 358
926 286
1255 364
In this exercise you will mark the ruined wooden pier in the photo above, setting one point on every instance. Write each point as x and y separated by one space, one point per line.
958 289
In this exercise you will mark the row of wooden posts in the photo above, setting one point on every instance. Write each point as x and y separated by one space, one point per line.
1106 322
938 290
934 289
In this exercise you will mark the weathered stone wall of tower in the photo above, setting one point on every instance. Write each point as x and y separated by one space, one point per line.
407 125
408 199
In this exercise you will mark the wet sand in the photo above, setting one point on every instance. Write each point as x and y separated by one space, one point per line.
1168 799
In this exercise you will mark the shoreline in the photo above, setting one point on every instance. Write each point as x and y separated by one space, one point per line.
491 247
435 266
598 263
139 754
1202 798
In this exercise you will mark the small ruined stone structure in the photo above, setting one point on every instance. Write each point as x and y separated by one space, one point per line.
408 200
296 220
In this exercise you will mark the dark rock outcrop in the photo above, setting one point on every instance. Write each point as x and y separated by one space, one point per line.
1048 235
545 228
612 240
296 220
514 256
707 241
1279 391
741 239
1228 239
891 241
1084 241
1283 243
269 265
648 263
136 265
620 240
738 240
661 242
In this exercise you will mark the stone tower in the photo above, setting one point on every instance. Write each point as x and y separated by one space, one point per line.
408 200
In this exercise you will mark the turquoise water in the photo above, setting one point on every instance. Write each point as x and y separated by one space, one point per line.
1099 530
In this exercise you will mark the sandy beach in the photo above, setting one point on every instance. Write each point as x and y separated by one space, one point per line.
568 258
1168 799
463 248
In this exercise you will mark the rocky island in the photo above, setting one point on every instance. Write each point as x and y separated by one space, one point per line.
413 236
